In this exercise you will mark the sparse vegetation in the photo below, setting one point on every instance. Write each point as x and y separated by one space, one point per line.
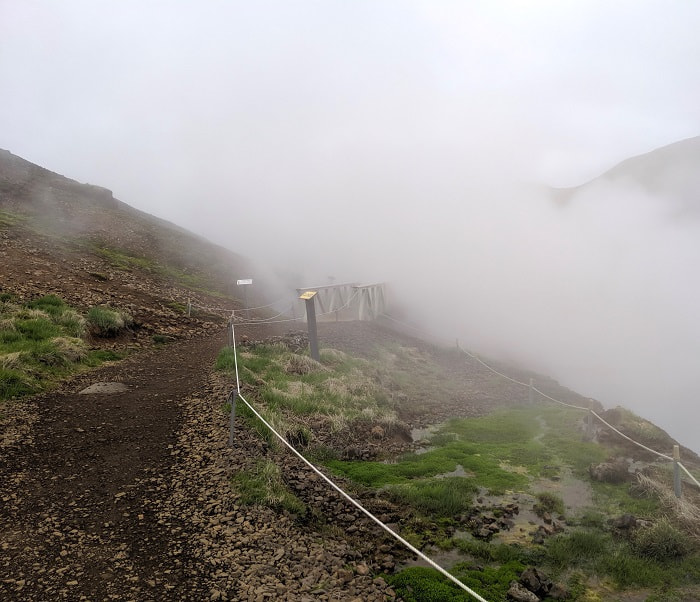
226 360
548 502
294 385
264 485
661 541
446 497
421 584
508 450
125 260
8 219
40 343
108 322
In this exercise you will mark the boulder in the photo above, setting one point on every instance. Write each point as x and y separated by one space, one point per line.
625 522
520 593
616 471
536 581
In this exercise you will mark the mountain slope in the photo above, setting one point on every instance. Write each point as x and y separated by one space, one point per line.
79 242
671 172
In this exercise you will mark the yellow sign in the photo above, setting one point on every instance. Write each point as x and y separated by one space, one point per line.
307 295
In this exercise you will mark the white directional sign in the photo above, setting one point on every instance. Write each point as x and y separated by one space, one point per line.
245 281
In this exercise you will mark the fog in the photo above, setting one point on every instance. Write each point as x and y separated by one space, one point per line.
406 142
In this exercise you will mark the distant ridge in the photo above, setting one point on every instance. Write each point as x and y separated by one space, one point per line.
671 172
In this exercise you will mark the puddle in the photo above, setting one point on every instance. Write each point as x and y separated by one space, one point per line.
457 472
444 558
422 436
575 493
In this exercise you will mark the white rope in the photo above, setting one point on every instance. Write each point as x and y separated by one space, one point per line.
235 359
269 304
269 322
228 310
483 363
367 513
610 426
360 507
263 320
405 324
347 304
688 473
568 405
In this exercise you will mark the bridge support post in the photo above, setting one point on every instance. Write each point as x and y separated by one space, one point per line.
309 297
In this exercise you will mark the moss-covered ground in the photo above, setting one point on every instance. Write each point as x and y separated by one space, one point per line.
512 450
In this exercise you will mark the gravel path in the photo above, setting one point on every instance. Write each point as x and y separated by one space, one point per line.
126 496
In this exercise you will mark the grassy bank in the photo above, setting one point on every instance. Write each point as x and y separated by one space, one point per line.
525 451
43 341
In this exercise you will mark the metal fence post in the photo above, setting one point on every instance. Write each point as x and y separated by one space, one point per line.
232 416
531 393
676 471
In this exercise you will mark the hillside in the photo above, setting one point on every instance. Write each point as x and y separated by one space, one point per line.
671 173
79 242
117 480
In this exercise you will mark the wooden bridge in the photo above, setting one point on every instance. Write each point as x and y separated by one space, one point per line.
346 302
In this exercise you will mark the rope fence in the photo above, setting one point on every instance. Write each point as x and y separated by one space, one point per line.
360 507
236 394
675 460
240 321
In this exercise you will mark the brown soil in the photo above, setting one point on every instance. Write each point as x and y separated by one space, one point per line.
125 495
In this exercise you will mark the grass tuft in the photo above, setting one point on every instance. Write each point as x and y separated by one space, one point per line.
264 485
14 383
446 497
108 322
661 541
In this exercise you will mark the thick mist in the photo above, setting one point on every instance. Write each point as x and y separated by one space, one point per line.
599 292
406 142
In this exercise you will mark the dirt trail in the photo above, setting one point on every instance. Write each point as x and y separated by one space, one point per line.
73 495
126 496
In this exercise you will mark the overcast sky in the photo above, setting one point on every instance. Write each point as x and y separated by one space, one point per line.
392 140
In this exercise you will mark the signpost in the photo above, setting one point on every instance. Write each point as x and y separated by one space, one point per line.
308 297
244 283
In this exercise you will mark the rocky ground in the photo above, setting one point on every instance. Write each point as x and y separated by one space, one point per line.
126 496
124 493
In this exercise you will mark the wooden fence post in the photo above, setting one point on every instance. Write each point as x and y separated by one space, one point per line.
677 471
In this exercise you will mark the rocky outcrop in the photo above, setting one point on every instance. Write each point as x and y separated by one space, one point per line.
534 586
